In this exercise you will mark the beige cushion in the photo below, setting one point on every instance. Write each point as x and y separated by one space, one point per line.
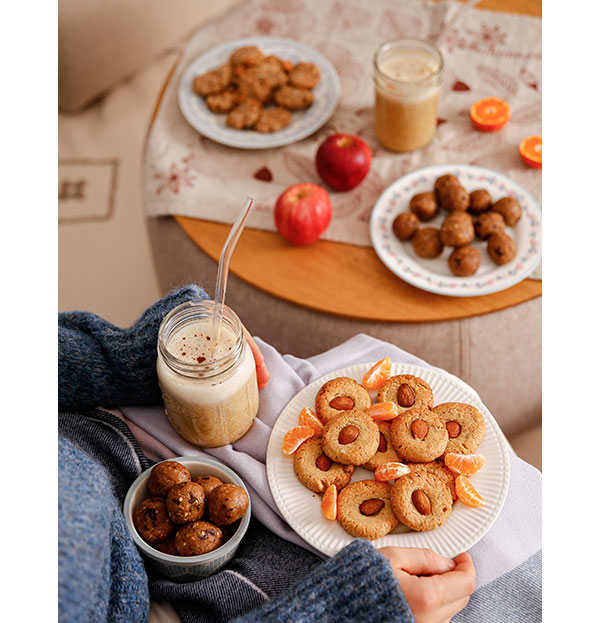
100 42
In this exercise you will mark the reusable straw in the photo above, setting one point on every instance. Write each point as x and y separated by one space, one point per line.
223 271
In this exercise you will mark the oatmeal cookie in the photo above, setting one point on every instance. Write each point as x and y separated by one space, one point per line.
273 119
293 98
457 229
351 438
419 435
464 261
489 223
426 243
185 502
480 201
316 471
405 225
501 248
407 391
440 470
152 521
245 115
222 102
421 501
197 537
339 395
385 450
213 81
424 206
510 209
365 510
305 76
166 474
465 426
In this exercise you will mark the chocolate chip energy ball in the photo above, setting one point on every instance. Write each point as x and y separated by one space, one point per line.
226 504
510 209
443 182
185 502
405 225
197 537
480 201
208 482
454 198
489 223
152 521
424 206
464 261
427 243
501 248
165 475
457 229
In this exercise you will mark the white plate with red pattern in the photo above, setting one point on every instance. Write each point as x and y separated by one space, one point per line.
434 275
301 508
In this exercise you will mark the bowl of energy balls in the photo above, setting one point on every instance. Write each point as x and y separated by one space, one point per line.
188 516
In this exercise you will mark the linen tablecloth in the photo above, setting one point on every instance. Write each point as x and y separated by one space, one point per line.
486 53
507 558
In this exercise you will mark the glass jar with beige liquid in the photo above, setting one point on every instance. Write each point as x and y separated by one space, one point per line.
407 75
208 381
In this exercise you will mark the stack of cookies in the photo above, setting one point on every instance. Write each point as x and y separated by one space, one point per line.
257 91
348 431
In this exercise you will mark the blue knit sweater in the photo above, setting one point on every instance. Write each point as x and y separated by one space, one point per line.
102 576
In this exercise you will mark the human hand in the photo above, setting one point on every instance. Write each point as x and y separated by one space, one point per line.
262 374
436 588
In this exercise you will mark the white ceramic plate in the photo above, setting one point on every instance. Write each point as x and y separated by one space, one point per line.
301 508
434 275
303 123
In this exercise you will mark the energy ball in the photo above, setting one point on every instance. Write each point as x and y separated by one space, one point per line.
426 242
457 229
208 483
425 206
167 547
489 223
510 209
152 521
165 475
454 198
501 248
443 182
185 502
479 201
405 225
226 504
197 537
464 261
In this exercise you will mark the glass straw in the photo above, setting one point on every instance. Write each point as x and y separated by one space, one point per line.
223 270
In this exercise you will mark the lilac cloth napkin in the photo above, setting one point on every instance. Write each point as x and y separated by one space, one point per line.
513 539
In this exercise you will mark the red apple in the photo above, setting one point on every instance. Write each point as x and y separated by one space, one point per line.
302 213
343 161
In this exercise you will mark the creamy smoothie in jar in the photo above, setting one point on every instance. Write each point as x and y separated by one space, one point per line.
407 75
208 381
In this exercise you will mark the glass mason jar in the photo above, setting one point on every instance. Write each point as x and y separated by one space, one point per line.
208 385
407 74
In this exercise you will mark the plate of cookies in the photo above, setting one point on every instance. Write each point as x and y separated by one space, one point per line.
399 454
457 230
258 93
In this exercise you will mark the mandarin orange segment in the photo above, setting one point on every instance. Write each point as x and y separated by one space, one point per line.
309 418
489 114
382 411
378 374
466 492
295 437
329 503
464 463
530 150
391 471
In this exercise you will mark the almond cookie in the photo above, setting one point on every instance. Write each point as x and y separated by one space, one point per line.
273 119
421 501
427 243
351 438
365 510
424 206
293 98
245 115
316 471
465 426
457 229
213 81
509 208
501 248
385 451
419 436
339 395
407 391
440 470
305 76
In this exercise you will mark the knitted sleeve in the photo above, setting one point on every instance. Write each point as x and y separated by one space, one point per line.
356 585
102 365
